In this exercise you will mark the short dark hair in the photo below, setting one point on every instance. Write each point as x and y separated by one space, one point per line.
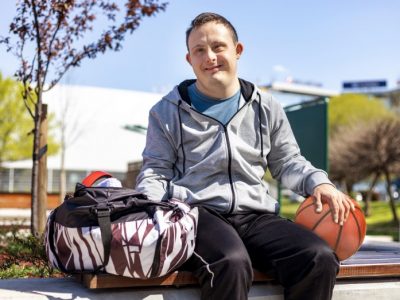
207 17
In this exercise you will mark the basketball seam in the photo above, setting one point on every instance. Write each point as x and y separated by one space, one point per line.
320 220
303 208
358 226
338 238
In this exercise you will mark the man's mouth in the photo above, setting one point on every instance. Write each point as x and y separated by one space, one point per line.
213 68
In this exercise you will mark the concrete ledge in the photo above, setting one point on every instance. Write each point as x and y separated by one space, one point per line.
68 288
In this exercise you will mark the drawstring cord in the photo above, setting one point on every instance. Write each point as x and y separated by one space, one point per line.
181 132
260 123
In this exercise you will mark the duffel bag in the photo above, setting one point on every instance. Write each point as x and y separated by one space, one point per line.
119 231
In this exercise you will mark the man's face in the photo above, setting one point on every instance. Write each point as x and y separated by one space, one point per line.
213 55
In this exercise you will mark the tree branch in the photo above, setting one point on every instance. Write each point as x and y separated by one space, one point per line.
50 48
25 96
39 47
74 62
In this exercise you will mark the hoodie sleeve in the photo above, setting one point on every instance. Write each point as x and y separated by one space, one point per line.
159 156
285 161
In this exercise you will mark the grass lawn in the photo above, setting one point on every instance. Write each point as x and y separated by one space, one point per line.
23 256
379 223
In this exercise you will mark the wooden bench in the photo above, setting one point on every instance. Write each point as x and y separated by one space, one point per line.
371 261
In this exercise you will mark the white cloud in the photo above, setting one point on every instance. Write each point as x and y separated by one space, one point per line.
280 69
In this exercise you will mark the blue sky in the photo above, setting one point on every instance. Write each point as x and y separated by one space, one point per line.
320 41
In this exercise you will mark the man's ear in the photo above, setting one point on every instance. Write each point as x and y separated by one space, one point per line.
188 59
239 49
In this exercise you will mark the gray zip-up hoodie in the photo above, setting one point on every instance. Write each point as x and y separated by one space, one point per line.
195 158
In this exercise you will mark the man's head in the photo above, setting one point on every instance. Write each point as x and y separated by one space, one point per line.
213 51
206 17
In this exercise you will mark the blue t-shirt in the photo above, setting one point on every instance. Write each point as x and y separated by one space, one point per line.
221 110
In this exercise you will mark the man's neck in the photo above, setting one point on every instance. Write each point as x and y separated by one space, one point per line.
220 91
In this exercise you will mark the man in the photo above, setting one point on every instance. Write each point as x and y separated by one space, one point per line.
209 143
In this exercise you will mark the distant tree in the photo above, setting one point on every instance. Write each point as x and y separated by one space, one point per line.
16 124
349 115
382 141
394 98
341 159
351 109
368 150
49 37
344 160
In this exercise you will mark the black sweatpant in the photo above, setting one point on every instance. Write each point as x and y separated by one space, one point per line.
228 246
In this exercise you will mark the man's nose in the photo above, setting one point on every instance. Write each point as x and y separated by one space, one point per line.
211 57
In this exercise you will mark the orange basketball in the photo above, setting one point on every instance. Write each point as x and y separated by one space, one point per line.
344 240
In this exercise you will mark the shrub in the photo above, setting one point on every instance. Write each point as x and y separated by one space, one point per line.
23 255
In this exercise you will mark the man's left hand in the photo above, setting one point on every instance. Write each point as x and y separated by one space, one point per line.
339 203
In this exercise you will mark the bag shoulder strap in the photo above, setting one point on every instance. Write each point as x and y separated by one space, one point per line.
103 217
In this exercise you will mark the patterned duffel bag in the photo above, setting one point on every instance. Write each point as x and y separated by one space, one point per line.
119 231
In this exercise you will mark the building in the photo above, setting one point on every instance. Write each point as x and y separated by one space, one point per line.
95 136
289 93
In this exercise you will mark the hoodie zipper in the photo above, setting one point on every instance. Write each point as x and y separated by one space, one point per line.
248 102
225 128
230 169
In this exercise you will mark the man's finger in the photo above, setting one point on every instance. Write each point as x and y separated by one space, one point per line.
335 209
347 208
342 211
351 203
318 203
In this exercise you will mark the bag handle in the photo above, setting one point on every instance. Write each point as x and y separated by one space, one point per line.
94 176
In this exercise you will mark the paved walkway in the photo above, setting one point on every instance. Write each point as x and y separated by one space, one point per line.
16 216
68 288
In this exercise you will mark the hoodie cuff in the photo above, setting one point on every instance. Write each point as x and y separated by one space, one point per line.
315 179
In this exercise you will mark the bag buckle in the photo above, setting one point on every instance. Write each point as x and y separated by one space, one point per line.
102 211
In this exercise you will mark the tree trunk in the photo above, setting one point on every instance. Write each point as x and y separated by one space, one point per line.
35 165
392 204
367 207
349 187
42 175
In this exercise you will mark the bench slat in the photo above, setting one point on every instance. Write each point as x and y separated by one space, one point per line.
97 281
366 263
372 261
369 270
374 254
181 278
